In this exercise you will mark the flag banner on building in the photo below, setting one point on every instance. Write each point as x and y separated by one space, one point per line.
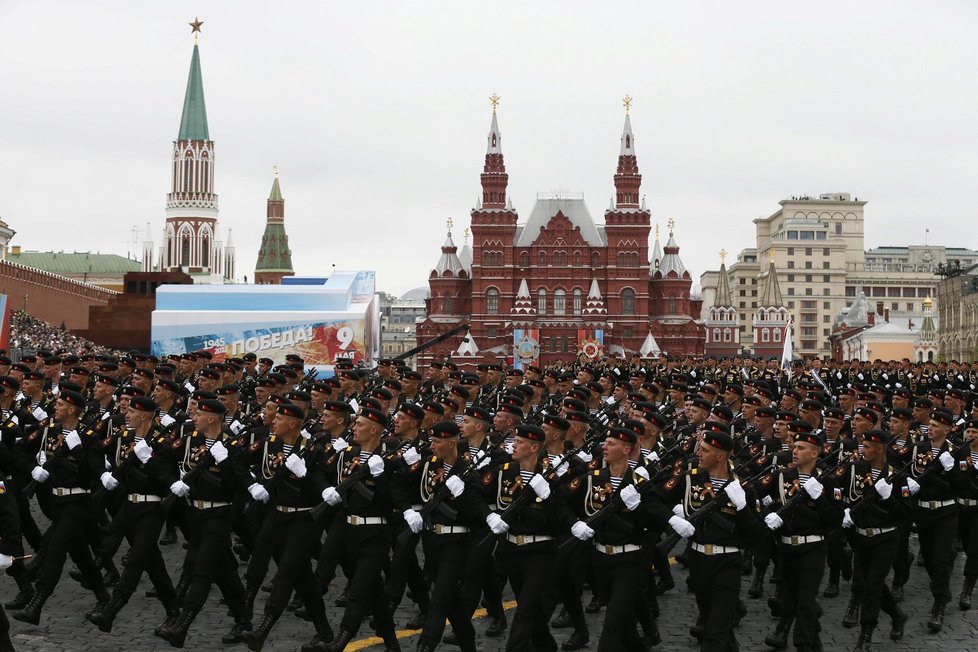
4 322
590 343
786 353
526 347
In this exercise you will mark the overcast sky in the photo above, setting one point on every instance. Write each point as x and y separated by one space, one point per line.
377 114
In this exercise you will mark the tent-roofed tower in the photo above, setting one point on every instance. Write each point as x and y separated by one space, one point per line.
274 256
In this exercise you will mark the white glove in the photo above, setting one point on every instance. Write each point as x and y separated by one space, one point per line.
497 524
106 416
847 521
540 486
42 458
773 521
40 474
946 460
455 485
413 520
109 482
339 444
736 495
166 420
683 528
631 497
883 488
236 426
305 434
72 440
39 414
585 457
258 492
975 464
6 561
219 451
561 470
581 530
411 456
641 472
180 489
142 451
813 487
483 462
913 486
376 465
331 496
767 501
678 510
297 465
653 458
508 448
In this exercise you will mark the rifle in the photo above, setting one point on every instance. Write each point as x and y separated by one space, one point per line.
281 472
56 458
353 482
203 464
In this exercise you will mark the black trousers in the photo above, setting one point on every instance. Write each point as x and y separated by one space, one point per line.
968 533
716 584
874 558
366 549
295 537
213 562
480 579
621 579
570 568
901 565
63 538
936 534
445 556
404 570
140 524
802 568
530 572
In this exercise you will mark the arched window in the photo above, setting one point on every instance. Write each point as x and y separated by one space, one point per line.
628 301
185 250
543 259
672 305
542 302
525 259
560 259
726 335
577 259
764 335
205 251
595 260
492 301
777 334
448 304
577 301
560 305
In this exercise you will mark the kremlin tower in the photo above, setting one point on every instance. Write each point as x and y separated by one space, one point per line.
274 257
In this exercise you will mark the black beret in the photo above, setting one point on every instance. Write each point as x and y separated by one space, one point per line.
702 403
107 380
10 383
508 408
765 411
382 393
574 404
372 403
169 385
811 404
526 431
478 412
226 390
445 430
942 416
970 424
412 410
202 395
132 390
923 402
902 413
624 434
212 374
72 398
144 403
575 415
736 389
291 410
833 413
722 411
718 436
337 406
799 425
866 413
374 415
299 395
433 406
558 422
809 438
211 406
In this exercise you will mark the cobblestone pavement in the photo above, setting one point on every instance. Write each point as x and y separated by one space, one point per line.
63 626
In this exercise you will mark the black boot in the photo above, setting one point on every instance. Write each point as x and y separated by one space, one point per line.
936 621
595 605
425 646
255 638
176 632
756 588
562 621
846 568
832 588
852 613
577 641
242 624
391 644
323 631
864 641
696 631
5 644
338 644
897 592
31 613
900 619
497 626
33 567
169 537
251 592
25 590
183 585
107 564
417 621
295 603
778 639
105 615
965 600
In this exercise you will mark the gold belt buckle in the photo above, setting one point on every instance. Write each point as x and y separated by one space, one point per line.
609 550
520 540
708 549
354 520
439 529
794 539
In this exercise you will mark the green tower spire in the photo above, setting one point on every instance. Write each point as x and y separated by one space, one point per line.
193 121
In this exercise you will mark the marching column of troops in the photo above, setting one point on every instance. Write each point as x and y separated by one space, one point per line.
591 475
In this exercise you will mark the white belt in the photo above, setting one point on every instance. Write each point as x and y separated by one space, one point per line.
800 540
873 531
207 504
934 504
967 502
616 550
438 528
353 519
68 491
524 539
417 508
285 509
143 498
711 549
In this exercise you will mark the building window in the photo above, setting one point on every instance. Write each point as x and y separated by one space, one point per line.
727 336
910 292
792 235
808 292
185 251
850 290
577 301
577 259
826 305
559 302
542 301
791 251
894 306
628 301
791 264
820 235
765 337
716 334
791 278
672 305
827 292
808 278
492 301
825 251
491 332
808 250
910 306
808 264
826 319
838 228
560 259
525 259
205 252
543 259
777 334
448 304
626 333
808 344
563 344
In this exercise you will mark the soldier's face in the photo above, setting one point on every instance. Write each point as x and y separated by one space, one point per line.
873 452
135 418
935 432
410 386
444 447
230 402
899 401
403 423
282 425
365 430
525 449
268 413
803 453
615 450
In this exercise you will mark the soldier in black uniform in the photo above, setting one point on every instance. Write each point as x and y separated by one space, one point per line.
10 547
968 515
714 559
141 462
67 464
210 491
874 495
801 514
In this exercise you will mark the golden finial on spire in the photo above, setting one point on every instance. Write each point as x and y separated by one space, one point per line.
466 234
494 101
627 101
672 225
275 168
195 27
723 256
450 223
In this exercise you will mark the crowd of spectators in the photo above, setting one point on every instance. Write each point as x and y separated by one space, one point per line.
28 333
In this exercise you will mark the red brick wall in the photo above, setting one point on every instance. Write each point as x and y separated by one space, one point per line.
52 298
